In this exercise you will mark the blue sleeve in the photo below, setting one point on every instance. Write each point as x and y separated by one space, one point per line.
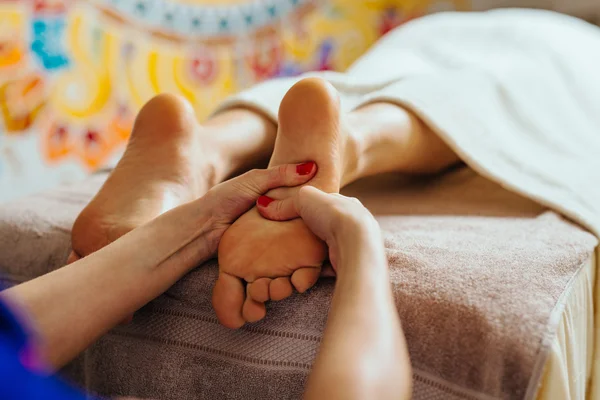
20 375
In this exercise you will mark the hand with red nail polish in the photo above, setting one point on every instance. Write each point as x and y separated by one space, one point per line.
305 168
229 200
264 201
262 260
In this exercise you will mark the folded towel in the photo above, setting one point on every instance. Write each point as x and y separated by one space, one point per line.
477 272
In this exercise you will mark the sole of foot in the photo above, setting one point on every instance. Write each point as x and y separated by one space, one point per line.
159 170
275 257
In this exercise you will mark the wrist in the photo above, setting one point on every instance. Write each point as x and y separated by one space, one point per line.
182 229
360 250
353 234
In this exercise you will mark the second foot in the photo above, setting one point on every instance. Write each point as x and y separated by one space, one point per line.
162 167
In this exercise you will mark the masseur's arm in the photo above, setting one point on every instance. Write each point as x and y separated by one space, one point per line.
75 305
363 353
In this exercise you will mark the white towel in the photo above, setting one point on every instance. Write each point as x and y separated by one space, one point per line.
516 93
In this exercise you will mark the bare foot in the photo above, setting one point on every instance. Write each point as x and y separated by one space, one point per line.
162 168
274 256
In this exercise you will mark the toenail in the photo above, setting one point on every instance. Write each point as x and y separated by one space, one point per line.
264 201
305 169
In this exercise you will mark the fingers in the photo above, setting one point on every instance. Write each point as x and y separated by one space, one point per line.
228 300
310 196
277 210
289 175
310 199
241 193
305 278
328 213
317 209
259 181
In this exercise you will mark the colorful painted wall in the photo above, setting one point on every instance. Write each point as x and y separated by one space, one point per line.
74 73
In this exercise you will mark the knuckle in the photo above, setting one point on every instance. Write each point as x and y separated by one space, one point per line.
253 174
277 210
245 188
282 172
254 180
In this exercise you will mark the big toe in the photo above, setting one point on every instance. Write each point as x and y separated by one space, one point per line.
228 300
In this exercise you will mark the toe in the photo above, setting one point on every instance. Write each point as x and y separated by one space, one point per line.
253 310
72 258
280 288
304 278
228 299
259 289
127 320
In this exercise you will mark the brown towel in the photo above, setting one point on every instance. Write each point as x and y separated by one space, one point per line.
477 273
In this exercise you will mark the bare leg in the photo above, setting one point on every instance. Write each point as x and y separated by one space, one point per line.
273 256
388 138
170 159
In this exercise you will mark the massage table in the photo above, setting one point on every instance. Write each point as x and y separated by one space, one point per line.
496 295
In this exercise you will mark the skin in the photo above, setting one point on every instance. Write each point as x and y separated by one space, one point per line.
171 159
363 353
276 257
73 306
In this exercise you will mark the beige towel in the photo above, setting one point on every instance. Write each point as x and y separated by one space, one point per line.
514 92
477 273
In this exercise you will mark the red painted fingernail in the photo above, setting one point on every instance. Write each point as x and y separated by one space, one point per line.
305 169
264 201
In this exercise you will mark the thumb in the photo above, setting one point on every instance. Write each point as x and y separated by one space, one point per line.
311 204
286 209
277 210
316 208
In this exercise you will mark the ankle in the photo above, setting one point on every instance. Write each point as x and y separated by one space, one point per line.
384 133
211 157
238 139
355 147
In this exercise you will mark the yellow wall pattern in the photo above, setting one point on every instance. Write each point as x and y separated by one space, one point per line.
74 74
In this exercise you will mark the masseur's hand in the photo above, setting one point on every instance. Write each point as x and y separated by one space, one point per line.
73 306
363 328
341 222
229 200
